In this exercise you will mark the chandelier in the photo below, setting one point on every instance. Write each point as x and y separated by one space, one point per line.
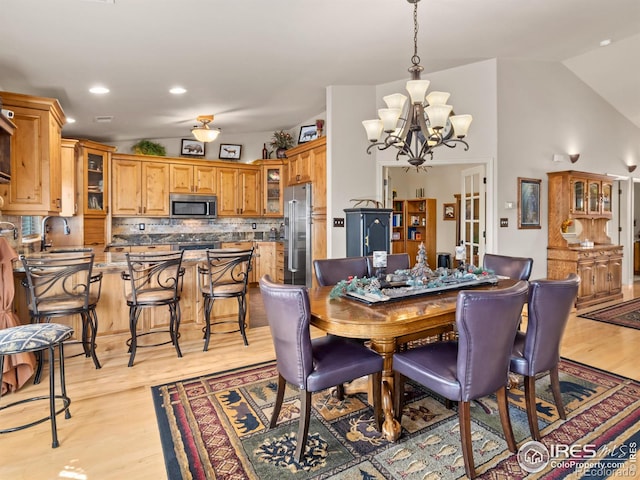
425 124
203 133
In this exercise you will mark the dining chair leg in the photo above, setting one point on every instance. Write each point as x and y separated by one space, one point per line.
503 408
464 420
376 378
557 395
282 384
398 396
340 391
303 428
530 403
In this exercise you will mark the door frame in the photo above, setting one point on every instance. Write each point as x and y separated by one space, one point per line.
491 223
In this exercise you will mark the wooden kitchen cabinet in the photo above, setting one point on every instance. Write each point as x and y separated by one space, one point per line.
269 260
273 182
36 148
94 161
68 175
140 188
186 178
239 191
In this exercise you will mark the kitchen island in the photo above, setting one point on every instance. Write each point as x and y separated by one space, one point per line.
112 310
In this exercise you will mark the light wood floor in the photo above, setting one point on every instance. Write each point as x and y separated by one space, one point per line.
113 432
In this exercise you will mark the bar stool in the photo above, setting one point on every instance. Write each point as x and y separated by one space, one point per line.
153 280
35 338
225 275
61 285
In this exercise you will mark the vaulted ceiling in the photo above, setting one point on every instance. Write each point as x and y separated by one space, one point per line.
264 65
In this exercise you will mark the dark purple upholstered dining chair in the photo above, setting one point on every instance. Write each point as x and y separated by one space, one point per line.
474 366
330 271
538 350
395 261
311 365
517 268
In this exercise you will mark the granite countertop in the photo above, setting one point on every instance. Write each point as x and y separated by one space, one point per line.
108 261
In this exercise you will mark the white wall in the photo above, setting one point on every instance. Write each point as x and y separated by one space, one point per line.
544 109
351 173
252 144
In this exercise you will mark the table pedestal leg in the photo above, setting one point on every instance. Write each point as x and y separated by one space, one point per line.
391 427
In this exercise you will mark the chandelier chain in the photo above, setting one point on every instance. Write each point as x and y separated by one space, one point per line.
415 59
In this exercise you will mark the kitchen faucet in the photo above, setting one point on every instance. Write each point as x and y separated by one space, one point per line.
43 241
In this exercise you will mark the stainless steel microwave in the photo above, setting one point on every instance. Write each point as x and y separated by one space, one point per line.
193 206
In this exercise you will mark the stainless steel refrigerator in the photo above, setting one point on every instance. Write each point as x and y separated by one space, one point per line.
297 235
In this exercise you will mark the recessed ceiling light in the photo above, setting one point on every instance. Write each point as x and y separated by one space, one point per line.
605 42
103 119
99 90
178 90
71 120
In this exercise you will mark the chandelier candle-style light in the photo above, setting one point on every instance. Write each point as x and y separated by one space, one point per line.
203 133
425 124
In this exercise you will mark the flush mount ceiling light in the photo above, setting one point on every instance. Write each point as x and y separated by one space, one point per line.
427 122
203 133
177 90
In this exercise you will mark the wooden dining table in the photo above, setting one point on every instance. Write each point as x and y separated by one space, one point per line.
388 325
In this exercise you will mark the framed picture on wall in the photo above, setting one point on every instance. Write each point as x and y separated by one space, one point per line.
529 203
307 133
229 151
449 211
192 148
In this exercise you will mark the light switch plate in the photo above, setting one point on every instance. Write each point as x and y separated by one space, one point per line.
338 222
504 222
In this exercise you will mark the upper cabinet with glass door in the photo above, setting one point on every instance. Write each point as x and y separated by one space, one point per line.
95 160
590 195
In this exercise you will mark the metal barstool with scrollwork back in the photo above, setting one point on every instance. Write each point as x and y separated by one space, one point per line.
62 285
225 275
153 280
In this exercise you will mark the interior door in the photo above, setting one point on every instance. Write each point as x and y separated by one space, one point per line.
472 218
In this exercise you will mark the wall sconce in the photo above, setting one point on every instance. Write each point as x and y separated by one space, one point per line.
631 168
573 158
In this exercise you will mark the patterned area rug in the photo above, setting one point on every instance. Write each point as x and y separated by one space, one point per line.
216 426
626 314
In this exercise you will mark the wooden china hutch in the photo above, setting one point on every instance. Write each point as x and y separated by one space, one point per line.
579 210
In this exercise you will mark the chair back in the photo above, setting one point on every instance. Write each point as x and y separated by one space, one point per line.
550 303
487 322
288 313
226 272
395 261
153 278
58 284
517 268
330 271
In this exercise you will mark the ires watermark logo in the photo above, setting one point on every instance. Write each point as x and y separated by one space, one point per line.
609 460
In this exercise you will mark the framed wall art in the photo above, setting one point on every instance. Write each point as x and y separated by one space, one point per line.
307 133
192 148
529 202
449 211
229 151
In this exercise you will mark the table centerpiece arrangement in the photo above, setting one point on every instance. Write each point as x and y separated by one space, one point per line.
418 280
